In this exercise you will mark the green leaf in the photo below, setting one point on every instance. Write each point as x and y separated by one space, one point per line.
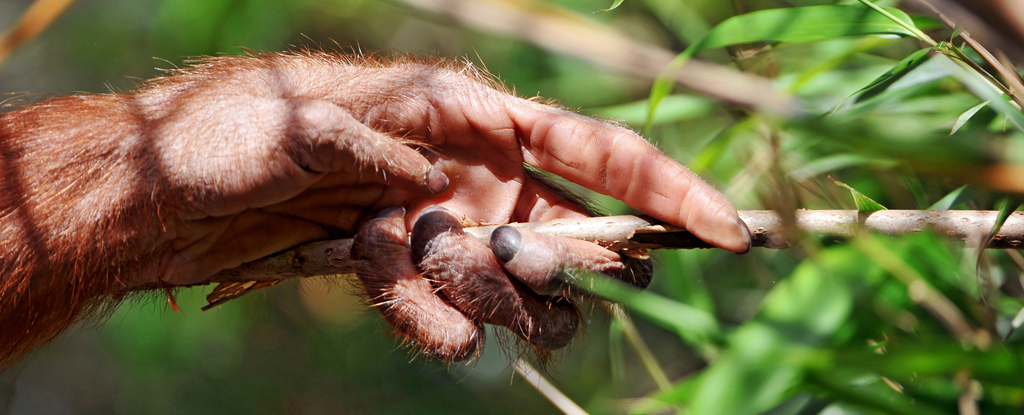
1001 365
683 18
615 5
956 32
835 162
949 200
672 109
617 360
1017 321
966 116
794 24
661 88
666 401
759 371
815 300
879 399
693 325
978 85
1015 324
863 202
643 352
901 21
802 24
926 23
1005 210
890 77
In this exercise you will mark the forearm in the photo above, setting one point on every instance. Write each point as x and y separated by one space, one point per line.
80 215
237 158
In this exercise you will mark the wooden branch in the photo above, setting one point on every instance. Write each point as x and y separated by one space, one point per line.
637 232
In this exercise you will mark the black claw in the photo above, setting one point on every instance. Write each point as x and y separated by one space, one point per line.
433 222
506 242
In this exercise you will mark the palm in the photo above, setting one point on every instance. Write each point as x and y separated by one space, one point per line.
316 163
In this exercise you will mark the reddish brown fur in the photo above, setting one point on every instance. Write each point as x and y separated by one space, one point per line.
83 203
482 290
405 298
77 198
87 210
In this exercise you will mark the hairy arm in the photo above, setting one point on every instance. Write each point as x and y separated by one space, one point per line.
80 211
236 158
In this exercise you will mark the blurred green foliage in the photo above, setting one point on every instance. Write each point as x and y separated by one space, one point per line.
911 325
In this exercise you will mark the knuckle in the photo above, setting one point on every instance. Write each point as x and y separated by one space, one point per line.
404 298
472 278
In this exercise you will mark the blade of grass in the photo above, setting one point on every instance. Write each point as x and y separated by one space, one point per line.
673 108
902 20
867 398
890 77
984 89
555 396
1006 208
616 356
642 351
949 200
918 289
695 326
1017 321
863 202
614 6
836 162
681 393
966 116
794 24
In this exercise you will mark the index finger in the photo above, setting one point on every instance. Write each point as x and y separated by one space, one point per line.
617 162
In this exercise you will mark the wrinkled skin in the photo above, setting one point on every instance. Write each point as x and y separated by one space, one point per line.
318 160
240 157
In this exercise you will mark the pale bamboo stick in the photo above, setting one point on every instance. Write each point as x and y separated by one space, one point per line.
636 232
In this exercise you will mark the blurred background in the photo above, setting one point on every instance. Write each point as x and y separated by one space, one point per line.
823 327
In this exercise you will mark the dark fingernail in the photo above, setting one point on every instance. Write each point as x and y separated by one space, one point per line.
505 242
391 212
437 181
433 222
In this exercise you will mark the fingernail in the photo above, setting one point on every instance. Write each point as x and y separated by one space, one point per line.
433 222
505 242
437 181
745 239
391 212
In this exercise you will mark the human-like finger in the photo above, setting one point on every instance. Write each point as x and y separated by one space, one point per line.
330 139
405 299
619 163
537 259
470 276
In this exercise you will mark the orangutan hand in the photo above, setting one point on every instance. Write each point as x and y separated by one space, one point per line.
236 158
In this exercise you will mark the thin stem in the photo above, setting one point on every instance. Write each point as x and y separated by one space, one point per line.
910 28
958 56
642 351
